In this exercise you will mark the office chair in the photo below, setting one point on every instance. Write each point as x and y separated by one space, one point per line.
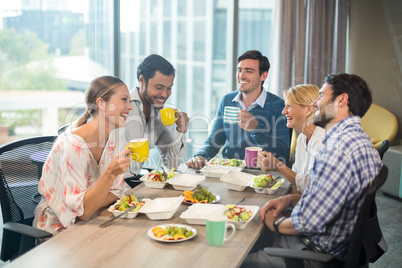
383 148
21 164
380 124
293 141
358 252
63 128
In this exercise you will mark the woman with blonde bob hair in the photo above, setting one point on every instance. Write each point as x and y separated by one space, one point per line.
299 115
84 170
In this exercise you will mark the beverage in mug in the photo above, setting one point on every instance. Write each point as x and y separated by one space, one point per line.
139 149
251 156
230 114
216 226
168 116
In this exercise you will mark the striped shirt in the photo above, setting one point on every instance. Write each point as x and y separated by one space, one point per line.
341 174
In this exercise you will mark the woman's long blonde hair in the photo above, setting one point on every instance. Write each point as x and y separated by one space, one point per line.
302 95
101 87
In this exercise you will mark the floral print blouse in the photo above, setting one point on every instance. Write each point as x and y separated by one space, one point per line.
68 173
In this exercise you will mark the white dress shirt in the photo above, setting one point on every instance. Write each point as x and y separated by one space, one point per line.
169 142
305 155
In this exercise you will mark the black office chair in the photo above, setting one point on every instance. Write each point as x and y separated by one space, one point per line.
383 148
358 252
63 128
20 174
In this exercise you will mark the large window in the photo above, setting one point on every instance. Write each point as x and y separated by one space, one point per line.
61 45
191 34
49 51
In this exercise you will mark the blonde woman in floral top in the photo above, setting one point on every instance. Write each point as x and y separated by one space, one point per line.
84 170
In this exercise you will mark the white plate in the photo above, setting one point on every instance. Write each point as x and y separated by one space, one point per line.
242 225
197 213
184 182
151 234
236 180
217 198
162 208
129 215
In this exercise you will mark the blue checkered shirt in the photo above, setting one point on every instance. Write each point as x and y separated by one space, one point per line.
341 174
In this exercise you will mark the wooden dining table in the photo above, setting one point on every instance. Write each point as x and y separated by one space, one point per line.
125 242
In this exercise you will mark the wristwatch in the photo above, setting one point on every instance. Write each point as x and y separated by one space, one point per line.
277 222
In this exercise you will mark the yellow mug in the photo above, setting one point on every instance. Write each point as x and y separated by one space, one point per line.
168 116
139 149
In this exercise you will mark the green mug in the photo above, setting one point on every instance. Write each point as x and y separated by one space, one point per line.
216 226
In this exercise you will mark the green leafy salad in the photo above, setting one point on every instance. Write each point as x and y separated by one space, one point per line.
235 163
127 202
226 162
157 175
266 181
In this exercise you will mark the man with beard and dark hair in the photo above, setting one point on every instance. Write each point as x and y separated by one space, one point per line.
324 215
156 76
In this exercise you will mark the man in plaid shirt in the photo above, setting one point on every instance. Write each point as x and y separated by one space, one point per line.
323 217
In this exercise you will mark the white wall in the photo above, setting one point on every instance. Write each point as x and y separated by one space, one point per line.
375 50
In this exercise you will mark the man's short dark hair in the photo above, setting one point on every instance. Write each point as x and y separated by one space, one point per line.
256 55
154 63
359 93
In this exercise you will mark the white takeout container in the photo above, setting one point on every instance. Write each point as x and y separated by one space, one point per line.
197 213
129 215
162 208
265 190
152 184
183 182
213 172
216 162
236 180
241 225
216 171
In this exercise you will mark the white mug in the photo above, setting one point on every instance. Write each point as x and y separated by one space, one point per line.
231 114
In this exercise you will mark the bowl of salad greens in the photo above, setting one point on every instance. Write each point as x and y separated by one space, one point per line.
217 167
156 179
266 184
126 202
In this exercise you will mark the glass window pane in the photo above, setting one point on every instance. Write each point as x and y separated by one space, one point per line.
219 32
254 26
50 50
167 8
180 88
199 8
167 39
181 39
199 40
182 7
191 34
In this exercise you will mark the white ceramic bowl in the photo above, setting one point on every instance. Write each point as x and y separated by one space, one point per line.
153 184
129 215
162 208
197 213
183 182
241 225
236 180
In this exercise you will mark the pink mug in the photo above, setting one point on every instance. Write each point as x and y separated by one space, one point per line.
251 156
